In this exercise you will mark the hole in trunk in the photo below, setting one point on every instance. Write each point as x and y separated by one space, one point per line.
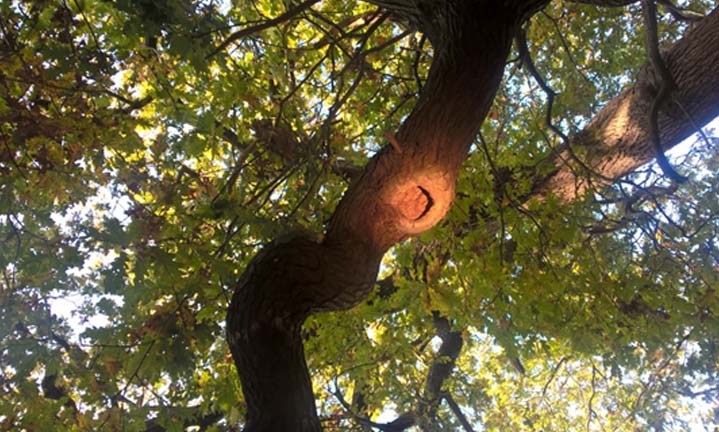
414 203
429 203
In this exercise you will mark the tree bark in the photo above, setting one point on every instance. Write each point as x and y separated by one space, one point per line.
409 186
403 191
616 141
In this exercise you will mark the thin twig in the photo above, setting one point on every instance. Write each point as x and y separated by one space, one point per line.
415 63
137 369
590 410
264 25
666 85
680 14
565 45
87 23
555 370
458 412
393 141
551 94
695 125
526 58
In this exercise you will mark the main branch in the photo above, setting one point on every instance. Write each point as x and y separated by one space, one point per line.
617 140
403 191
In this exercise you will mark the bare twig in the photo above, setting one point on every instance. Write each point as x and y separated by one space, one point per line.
136 371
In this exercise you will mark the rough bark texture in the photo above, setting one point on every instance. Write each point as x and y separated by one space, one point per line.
616 141
402 192
407 189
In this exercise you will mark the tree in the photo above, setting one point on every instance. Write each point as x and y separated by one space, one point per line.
165 163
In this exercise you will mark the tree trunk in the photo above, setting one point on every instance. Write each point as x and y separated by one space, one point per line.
405 190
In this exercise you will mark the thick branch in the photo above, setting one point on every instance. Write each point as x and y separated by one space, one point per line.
617 139
196 420
440 370
446 358
458 412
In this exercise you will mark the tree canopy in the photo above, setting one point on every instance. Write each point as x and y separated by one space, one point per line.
541 272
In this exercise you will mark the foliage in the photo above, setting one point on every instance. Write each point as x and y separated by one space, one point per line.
142 169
